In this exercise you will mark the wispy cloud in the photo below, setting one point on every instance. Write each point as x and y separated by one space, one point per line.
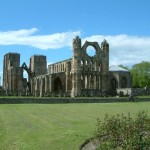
125 49
49 63
28 37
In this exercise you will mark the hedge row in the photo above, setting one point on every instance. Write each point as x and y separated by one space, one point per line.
57 100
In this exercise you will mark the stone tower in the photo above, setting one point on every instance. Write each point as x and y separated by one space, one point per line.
76 67
12 72
105 66
38 65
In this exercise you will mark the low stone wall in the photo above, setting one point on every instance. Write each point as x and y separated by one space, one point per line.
124 91
137 91
54 100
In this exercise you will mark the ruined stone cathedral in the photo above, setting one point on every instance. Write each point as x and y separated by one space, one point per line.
81 75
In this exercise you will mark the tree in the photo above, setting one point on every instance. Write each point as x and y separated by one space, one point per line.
124 67
123 132
141 74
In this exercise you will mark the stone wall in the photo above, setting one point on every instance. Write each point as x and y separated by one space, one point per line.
81 75
12 73
75 76
38 65
136 91
90 72
120 80
11 60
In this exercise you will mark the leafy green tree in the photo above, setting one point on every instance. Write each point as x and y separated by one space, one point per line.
141 74
124 67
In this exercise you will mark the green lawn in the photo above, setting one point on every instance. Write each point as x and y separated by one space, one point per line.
55 126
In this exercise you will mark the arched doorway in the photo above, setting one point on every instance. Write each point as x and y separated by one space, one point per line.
57 84
123 82
114 86
25 67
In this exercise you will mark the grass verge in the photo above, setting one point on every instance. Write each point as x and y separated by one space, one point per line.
55 126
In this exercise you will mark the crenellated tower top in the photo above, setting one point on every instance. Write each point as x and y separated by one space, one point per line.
76 46
105 45
76 40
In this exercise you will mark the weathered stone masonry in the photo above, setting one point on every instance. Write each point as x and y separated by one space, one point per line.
81 75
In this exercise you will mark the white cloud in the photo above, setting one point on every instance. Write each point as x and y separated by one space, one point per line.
27 37
125 49
49 63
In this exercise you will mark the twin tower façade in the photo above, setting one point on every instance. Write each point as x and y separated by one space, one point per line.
81 75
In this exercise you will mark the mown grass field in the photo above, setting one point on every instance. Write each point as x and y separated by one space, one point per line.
55 126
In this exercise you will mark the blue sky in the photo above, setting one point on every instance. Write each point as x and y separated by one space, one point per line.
47 27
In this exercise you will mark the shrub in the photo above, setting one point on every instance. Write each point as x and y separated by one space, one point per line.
123 132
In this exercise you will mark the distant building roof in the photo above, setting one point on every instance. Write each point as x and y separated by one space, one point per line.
117 68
